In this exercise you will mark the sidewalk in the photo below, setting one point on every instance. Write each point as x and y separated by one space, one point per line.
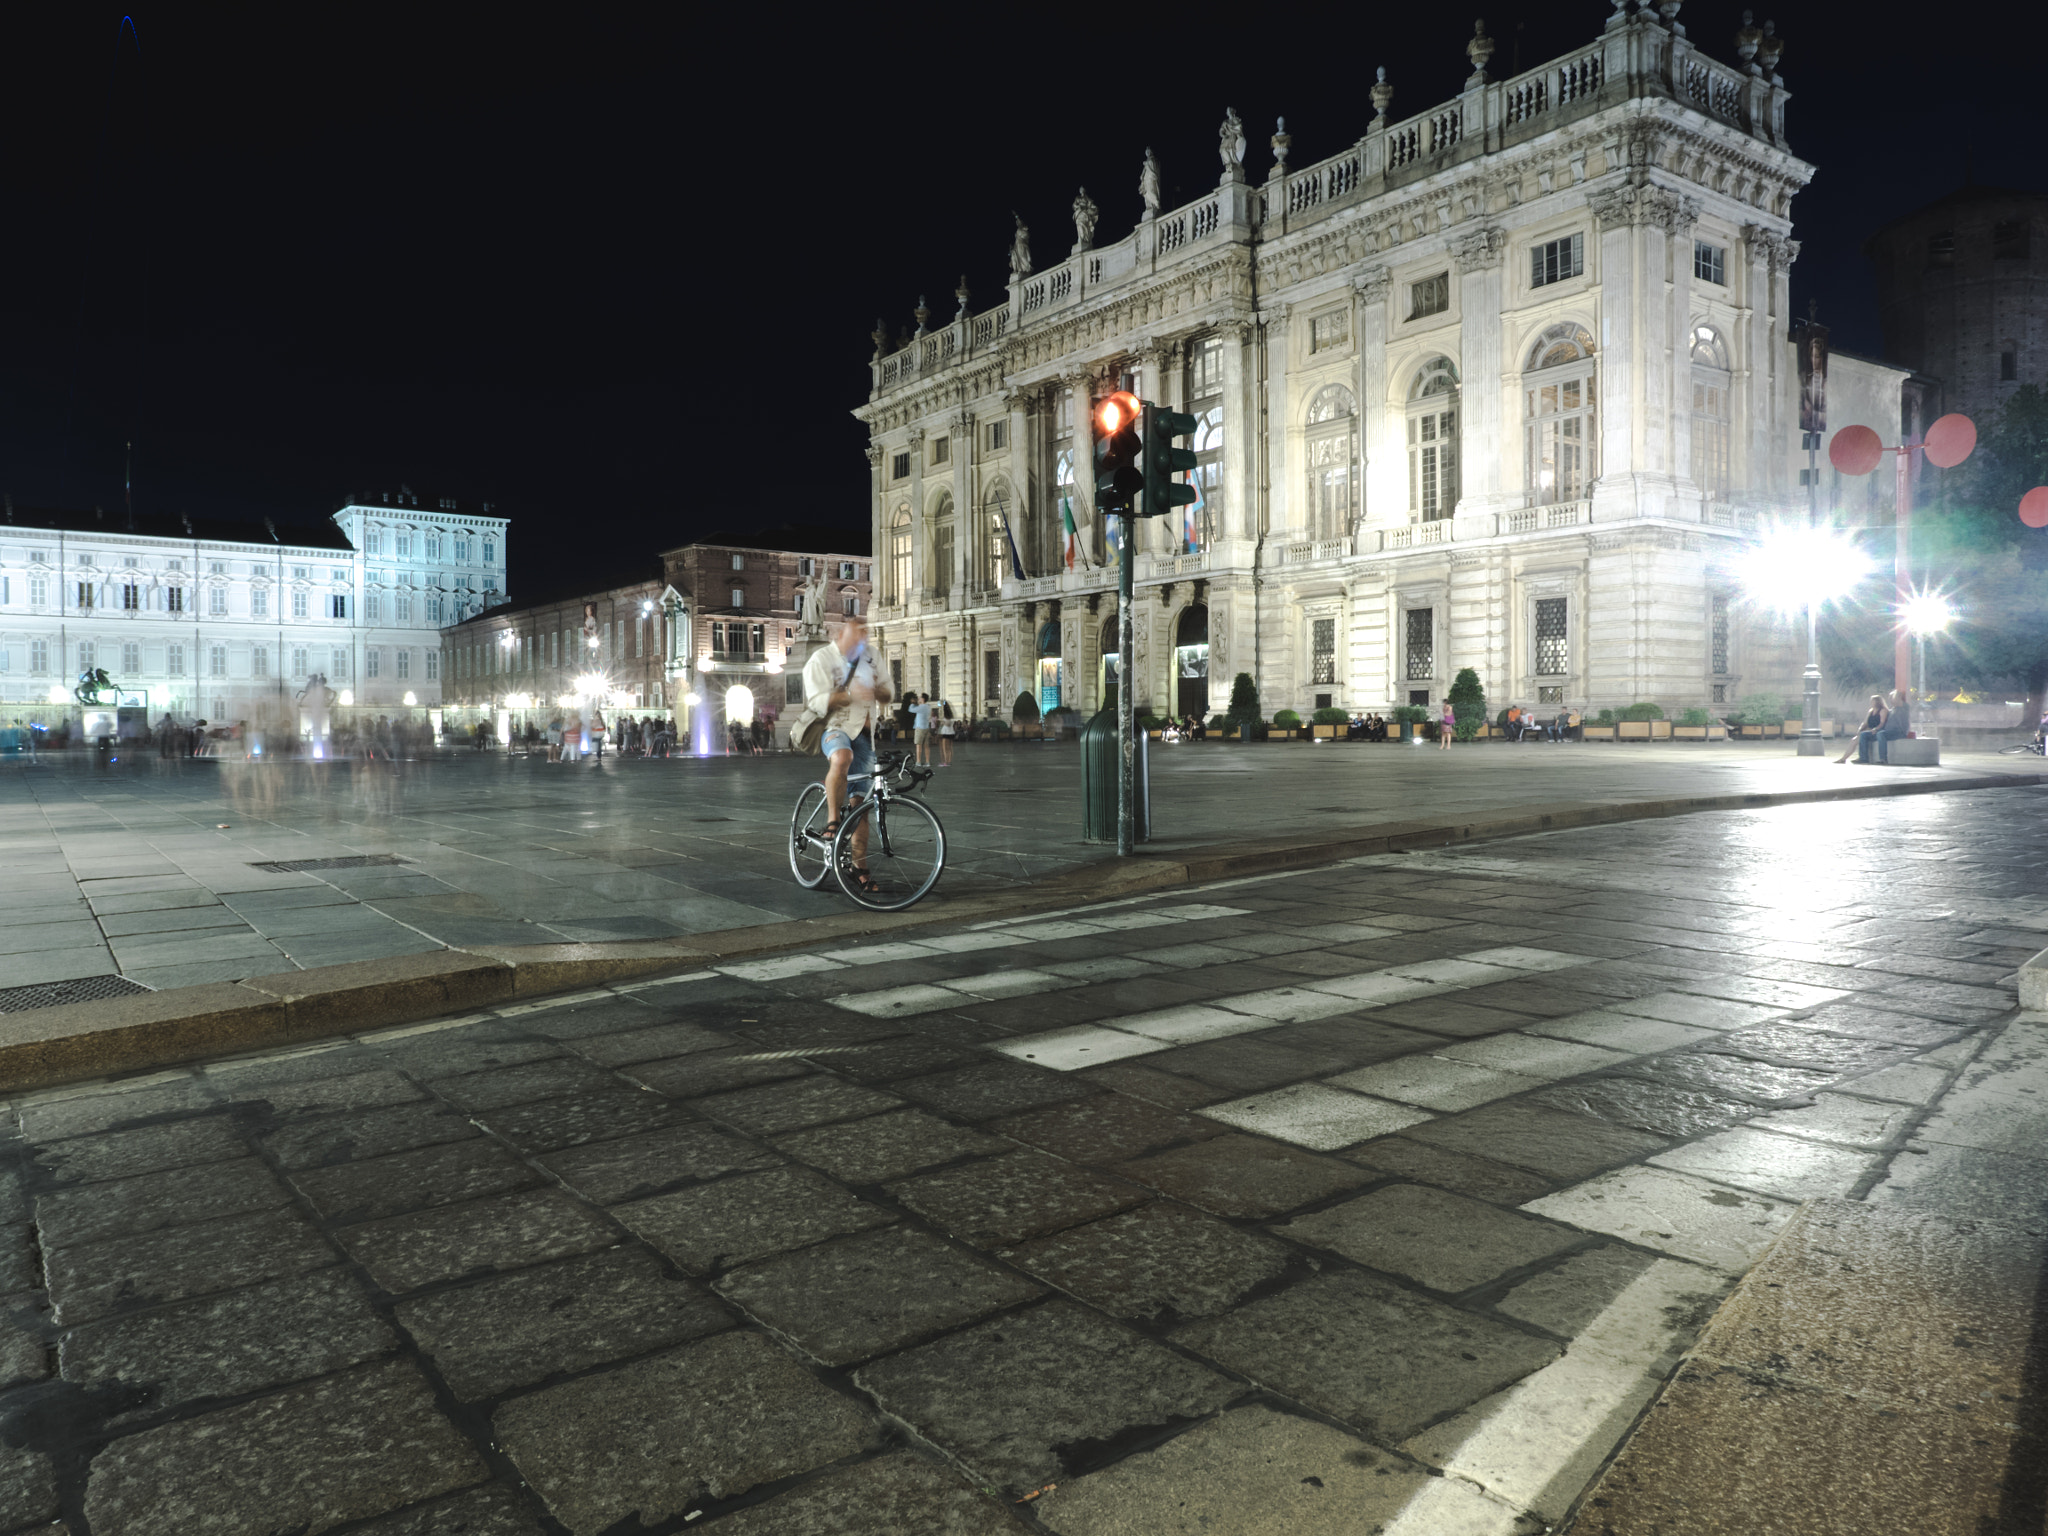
157 872
1383 1195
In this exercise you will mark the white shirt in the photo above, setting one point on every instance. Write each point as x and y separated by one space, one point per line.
825 674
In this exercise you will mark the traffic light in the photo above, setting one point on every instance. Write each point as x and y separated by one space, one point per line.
1118 479
1162 461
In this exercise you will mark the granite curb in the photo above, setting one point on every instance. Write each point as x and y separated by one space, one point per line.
51 1046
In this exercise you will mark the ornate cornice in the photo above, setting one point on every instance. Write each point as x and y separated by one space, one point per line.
1479 249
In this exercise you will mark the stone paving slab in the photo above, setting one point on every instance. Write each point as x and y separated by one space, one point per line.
581 1247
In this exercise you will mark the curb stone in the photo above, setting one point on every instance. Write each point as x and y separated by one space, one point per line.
47 1047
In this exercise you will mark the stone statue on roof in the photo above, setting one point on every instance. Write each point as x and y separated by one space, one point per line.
1020 249
1086 215
1230 145
1148 184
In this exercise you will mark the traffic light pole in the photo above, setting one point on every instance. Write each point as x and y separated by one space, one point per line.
1126 695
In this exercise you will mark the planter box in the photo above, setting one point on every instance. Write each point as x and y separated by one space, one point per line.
1281 733
1751 730
1153 734
1689 732
1774 730
1633 730
1601 732
1660 730
1717 733
1327 732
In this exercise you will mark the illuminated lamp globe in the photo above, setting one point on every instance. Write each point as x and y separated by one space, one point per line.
1792 566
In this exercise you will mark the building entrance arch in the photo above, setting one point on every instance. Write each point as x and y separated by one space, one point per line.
1191 661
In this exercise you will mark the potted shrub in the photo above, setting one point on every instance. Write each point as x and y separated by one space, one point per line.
1762 714
1286 724
1691 726
1329 724
1600 728
1243 714
1024 714
1408 719
1218 726
1468 704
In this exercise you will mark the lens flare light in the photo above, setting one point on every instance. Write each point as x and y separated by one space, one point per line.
1790 567
1926 613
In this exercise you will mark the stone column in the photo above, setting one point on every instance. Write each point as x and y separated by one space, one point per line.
1380 424
1023 478
1240 418
1678 214
963 429
1615 346
1082 444
1284 497
920 578
1481 254
879 520
1752 361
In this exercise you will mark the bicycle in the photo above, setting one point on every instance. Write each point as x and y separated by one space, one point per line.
2023 749
906 845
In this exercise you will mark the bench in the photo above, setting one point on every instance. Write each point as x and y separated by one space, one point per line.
1915 752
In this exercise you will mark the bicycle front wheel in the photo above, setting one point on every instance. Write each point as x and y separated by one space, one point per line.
810 851
905 852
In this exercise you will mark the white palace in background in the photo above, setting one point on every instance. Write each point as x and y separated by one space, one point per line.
200 618
1499 385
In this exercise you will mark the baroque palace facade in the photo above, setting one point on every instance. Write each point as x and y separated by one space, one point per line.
1498 386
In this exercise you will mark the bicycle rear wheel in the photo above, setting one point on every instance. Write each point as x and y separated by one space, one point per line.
810 851
906 852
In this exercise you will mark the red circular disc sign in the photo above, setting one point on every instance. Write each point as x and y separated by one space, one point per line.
1950 440
1855 450
2034 507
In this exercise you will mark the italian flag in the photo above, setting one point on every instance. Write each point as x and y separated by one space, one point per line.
1074 551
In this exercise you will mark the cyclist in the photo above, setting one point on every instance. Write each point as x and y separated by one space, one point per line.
843 683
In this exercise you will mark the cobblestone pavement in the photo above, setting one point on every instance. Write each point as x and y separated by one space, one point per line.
1237 1210
154 869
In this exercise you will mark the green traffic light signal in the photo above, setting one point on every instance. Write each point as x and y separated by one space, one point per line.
1162 460
1118 479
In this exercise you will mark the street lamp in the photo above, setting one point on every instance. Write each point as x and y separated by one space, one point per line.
1791 567
1921 615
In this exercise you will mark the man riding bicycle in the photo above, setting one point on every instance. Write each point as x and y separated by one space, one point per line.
843 683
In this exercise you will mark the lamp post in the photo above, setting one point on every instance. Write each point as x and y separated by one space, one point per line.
1922 615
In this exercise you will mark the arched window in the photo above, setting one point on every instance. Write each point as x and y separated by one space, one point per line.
1204 515
1710 412
1559 389
938 574
992 550
899 556
1332 463
1433 441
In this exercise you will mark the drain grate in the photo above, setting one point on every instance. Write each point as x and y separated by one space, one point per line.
314 866
52 994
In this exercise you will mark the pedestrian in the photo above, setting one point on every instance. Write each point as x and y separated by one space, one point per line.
597 732
1866 734
555 737
920 728
1447 727
572 736
948 729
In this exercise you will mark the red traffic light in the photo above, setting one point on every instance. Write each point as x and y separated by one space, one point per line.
1116 412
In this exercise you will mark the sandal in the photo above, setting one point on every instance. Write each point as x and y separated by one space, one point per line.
865 881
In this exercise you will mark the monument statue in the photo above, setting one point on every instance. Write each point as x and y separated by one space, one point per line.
1020 249
1148 184
1230 145
1086 214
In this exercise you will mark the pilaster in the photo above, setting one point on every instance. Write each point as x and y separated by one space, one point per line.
1481 256
1379 432
1240 515
1613 211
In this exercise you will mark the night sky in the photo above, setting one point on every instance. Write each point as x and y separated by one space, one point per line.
616 273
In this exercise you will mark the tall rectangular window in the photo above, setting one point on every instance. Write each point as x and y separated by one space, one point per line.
299 667
402 607
404 546
1329 330
259 661
174 660
217 661
404 664
217 602
131 597
1431 296
934 666
942 450
433 546
433 666
174 599
490 552
1718 635
339 668
992 676
373 607
337 605
1555 260
259 602
1421 643
899 466
299 606
88 657
998 436
1709 263
131 658
84 594
1550 637
38 592
1322 662
39 655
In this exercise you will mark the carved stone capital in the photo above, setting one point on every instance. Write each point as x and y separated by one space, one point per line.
1373 285
1671 211
874 455
1613 207
1777 249
916 437
1479 249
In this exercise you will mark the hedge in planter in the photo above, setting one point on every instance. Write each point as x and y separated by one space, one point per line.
1468 703
1286 720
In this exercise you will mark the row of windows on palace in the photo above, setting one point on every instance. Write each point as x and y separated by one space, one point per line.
1559 462
430 543
134 597
127 657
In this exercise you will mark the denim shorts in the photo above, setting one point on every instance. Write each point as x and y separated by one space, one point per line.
862 768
